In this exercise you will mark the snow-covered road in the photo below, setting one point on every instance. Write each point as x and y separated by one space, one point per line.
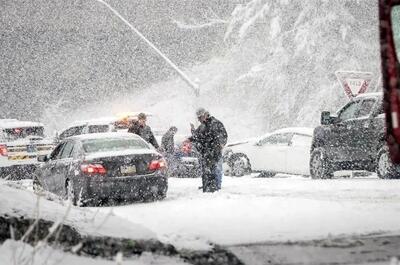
251 209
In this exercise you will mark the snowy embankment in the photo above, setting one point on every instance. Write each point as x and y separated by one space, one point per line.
19 202
12 251
252 210
47 230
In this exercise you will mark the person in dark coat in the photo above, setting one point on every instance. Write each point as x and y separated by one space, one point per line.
167 140
209 139
140 128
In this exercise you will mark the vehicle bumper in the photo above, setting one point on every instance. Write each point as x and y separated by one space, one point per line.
100 190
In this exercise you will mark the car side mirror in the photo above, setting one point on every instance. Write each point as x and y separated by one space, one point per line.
326 118
43 158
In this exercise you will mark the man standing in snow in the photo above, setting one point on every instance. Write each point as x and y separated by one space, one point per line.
140 128
209 139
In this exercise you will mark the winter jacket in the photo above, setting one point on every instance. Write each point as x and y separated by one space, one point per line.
209 139
167 142
144 132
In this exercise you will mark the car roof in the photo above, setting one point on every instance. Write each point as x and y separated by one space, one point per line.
106 135
98 121
298 130
14 123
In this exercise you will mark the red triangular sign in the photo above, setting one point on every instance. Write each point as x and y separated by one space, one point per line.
354 83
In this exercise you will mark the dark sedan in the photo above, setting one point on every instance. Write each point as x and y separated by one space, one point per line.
103 167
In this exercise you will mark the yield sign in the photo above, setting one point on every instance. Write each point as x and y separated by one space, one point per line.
354 83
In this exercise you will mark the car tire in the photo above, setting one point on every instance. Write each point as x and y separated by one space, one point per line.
320 166
240 165
266 174
70 192
384 167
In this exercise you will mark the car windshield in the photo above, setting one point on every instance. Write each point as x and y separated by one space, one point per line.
24 132
112 144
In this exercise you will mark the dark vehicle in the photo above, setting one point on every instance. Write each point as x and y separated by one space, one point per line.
101 167
353 139
184 162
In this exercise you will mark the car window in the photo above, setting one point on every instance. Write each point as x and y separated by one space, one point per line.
67 150
365 108
77 130
99 128
301 140
113 144
349 111
277 139
23 132
57 151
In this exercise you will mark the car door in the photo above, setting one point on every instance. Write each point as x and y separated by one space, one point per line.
362 132
298 155
48 169
62 167
341 139
271 152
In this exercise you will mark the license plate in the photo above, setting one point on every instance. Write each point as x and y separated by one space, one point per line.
127 170
31 148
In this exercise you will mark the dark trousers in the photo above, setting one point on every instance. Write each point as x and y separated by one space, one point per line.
209 178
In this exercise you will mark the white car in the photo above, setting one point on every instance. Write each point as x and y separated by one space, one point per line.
21 142
282 151
118 123
100 125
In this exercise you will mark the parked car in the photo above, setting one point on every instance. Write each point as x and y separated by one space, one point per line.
20 144
102 167
120 122
184 163
100 125
352 139
282 151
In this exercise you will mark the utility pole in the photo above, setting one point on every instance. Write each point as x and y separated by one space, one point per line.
185 78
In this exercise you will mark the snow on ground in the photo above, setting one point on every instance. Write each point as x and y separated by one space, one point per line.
16 200
251 210
16 252
246 210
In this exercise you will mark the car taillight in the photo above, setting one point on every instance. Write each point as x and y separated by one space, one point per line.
92 169
3 150
157 164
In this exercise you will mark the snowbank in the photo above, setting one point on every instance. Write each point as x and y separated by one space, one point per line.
16 252
17 201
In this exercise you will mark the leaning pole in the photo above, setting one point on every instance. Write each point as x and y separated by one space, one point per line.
185 78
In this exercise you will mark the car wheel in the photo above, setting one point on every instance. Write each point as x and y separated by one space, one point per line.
384 167
320 166
71 196
266 174
240 165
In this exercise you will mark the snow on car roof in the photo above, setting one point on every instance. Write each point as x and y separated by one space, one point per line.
13 123
126 152
105 135
98 121
300 130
